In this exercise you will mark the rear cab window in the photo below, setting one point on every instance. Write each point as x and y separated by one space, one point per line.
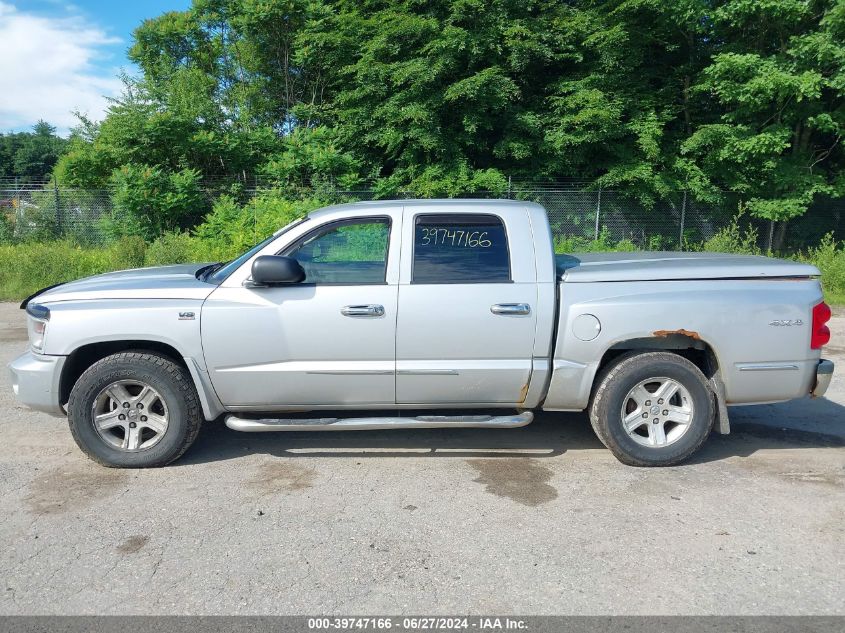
462 248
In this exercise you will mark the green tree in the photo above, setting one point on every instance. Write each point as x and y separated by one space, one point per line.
30 156
447 97
778 84
429 93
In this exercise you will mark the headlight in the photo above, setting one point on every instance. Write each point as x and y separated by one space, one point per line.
36 325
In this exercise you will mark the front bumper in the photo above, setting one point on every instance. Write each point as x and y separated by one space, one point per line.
35 381
824 373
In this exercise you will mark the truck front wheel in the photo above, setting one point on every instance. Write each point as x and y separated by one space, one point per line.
652 408
134 410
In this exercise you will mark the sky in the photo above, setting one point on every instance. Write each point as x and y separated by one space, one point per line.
57 56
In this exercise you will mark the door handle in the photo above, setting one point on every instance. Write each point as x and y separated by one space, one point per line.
510 308
363 311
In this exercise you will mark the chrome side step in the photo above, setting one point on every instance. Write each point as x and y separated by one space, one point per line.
367 424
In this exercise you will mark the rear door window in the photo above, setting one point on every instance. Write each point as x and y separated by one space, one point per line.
460 248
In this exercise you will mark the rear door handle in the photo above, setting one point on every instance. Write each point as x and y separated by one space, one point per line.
363 311
510 308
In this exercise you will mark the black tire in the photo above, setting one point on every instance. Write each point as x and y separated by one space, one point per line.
610 394
173 384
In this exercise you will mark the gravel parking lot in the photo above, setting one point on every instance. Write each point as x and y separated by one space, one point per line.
538 520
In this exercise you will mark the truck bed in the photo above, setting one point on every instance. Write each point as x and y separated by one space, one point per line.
662 266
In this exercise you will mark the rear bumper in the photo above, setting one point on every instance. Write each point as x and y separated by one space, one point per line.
35 381
824 373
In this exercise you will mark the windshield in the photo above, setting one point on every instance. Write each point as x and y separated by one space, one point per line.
220 275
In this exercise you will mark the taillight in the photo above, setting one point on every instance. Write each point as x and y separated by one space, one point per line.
821 333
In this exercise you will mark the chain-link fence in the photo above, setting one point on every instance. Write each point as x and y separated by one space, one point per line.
677 222
37 212
33 212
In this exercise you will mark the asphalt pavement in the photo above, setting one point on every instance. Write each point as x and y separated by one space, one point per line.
537 520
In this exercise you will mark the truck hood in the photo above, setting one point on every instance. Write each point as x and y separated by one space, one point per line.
162 282
665 266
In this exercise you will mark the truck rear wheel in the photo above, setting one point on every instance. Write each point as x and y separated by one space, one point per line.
134 410
652 408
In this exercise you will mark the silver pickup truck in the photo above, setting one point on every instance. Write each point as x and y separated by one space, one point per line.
423 314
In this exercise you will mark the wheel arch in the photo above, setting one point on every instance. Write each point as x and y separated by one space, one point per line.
81 358
682 342
687 344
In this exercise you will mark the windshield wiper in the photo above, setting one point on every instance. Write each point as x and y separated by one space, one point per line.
206 272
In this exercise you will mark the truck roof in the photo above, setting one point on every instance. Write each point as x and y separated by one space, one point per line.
488 203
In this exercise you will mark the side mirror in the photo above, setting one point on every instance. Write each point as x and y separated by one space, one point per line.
269 270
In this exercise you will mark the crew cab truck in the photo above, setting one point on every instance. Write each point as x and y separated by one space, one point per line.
423 313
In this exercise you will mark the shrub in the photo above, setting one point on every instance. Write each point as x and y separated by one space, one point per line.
829 258
7 227
577 244
734 239
230 229
453 180
170 248
311 158
129 252
149 201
